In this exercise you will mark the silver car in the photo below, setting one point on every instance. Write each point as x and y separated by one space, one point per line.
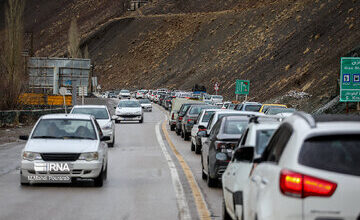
102 116
62 148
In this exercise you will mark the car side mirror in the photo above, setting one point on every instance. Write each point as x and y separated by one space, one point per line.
24 137
258 160
244 154
202 127
202 134
114 107
105 138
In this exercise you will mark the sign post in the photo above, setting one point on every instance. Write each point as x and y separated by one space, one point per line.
242 88
350 79
62 92
216 87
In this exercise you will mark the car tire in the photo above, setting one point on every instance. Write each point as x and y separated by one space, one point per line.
192 146
112 144
117 121
99 181
172 128
105 172
211 182
203 174
225 214
24 181
197 149
141 121
182 134
186 136
177 131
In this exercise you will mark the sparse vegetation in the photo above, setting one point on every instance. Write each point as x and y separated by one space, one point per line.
12 71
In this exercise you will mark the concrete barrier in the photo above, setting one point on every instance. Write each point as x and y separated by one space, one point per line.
13 117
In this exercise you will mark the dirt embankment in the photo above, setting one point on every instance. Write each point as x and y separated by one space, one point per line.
281 46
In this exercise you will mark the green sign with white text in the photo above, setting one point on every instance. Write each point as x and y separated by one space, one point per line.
242 87
350 79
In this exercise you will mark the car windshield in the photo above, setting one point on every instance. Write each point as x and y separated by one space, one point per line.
65 129
274 111
235 126
207 116
262 139
266 107
124 91
252 108
338 153
144 101
98 113
195 110
129 104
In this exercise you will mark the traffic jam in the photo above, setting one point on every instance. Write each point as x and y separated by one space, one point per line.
267 161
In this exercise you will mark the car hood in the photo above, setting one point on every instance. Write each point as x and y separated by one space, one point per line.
145 104
128 110
61 146
102 122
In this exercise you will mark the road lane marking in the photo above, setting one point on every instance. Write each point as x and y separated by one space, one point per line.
201 206
184 212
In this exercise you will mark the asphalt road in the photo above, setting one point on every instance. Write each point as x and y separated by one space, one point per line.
145 181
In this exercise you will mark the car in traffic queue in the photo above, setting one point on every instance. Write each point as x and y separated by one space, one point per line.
279 111
63 148
124 94
176 104
248 106
264 107
129 110
102 116
145 104
182 111
309 170
190 117
140 94
217 149
200 125
251 145
216 99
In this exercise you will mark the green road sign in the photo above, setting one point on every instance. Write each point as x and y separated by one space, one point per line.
242 87
350 79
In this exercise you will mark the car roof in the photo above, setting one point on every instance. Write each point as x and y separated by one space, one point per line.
89 106
67 116
123 100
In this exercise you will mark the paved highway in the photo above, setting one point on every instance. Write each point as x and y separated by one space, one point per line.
145 180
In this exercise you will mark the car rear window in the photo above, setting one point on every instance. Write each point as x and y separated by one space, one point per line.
337 153
252 108
207 116
98 113
235 126
262 139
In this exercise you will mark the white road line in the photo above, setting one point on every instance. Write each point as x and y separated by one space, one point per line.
184 212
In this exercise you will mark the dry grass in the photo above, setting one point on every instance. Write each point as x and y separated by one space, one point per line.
74 40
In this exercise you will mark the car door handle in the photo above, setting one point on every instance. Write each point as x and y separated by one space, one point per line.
255 179
264 181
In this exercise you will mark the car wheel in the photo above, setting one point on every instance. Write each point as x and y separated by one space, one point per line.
197 149
186 136
211 182
203 174
117 121
99 181
192 146
182 134
112 143
142 120
177 131
172 128
225 214
105 172
24 181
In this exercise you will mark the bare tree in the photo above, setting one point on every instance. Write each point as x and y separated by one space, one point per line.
12 65
86 52
74 40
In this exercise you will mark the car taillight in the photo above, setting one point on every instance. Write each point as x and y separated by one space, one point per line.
189 120
172 116
302 186
180 118
224 145
202 129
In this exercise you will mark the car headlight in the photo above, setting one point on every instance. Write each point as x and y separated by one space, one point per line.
27 155
89 156
107 126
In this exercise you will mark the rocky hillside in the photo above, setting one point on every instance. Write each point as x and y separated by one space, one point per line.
289 49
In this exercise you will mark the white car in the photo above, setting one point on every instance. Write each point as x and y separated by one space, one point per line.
235 177
62 148
200 125
129 110
216 99
102 116
140 94
146 105
124 94
309 170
